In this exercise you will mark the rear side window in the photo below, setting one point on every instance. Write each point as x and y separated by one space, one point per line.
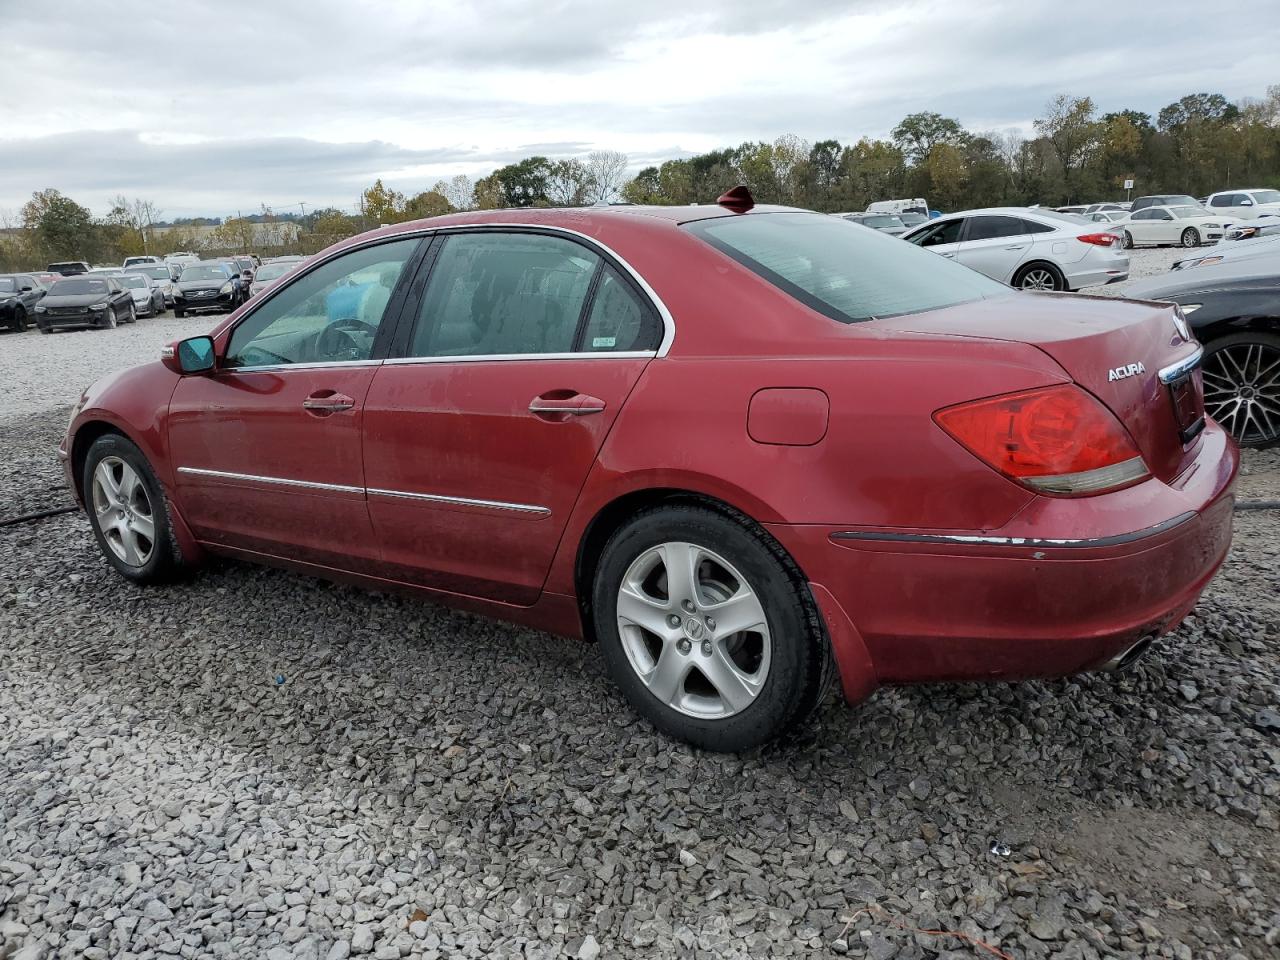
993 227
841 270
619 320
1030 226
495 294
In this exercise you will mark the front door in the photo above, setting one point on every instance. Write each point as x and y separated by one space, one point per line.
943 238
479 437
267 448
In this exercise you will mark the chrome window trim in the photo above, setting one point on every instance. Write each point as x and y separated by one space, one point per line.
668 321
529 508
317 365
967 539
1184 366
275 481
462 501
485 357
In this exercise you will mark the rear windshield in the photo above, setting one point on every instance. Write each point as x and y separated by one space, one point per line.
134 280
78 286
273 271
844 271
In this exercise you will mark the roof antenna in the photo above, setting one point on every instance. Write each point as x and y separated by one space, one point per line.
738 199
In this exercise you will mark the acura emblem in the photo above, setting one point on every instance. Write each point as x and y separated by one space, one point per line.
1122 373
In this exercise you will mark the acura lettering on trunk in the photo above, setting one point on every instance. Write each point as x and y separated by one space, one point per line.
1130 370
748 451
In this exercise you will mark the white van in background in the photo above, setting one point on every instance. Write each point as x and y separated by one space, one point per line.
916 205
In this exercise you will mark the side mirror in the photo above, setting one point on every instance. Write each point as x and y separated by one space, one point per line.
1246 202
193 355
27 289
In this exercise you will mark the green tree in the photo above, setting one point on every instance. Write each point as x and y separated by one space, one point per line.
568 183
524 184
382 205
59 228
918 133
1072 133
429 203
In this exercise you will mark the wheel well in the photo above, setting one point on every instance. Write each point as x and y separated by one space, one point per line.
614 514
1225 328
1038 263
84 439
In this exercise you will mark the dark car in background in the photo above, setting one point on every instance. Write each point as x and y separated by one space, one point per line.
19 294
206 285
69 268
98 301
1233 307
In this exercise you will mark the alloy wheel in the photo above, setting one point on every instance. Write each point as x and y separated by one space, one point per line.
1039 278
123 511
1190 238
1242 391
694 630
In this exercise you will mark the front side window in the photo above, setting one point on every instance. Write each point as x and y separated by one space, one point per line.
1221 200
847 273
992 228
948 231
493 294
330 315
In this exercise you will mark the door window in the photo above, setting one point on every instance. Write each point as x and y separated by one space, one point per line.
495 294
992 228
619 319
1148 214
946 232
330 315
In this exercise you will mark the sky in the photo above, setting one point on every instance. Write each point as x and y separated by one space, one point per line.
214 108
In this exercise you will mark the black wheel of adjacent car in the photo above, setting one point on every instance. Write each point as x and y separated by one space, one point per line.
1039 276
1242 386
109 321
18 323
708 628
128 511
1127 240
44 329
179 313
133 314
1190 237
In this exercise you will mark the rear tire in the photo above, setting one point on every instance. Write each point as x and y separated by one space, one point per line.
128 511
1039 276
1127 240
1190 237
695 679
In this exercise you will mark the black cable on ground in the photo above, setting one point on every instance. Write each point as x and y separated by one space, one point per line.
40 515
1258 504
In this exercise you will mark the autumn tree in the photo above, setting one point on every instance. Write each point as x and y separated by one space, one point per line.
1072 132
429 203
379 204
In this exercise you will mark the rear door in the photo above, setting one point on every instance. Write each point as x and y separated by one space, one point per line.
479 435
994 245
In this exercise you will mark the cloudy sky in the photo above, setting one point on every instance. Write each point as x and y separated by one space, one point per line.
206 108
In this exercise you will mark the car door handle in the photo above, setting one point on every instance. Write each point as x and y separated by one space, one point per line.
558 405
324 402
1017 246
950 255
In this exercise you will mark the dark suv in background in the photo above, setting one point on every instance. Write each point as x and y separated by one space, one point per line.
1165 200
19 294
69 268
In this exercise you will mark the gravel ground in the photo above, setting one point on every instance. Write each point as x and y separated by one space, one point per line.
258 764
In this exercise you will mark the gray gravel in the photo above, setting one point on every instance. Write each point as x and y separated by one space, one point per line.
427 783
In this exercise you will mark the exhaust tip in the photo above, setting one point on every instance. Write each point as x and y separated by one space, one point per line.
1130 656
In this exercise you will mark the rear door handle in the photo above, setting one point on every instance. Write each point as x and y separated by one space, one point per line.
555 406
324 402
1017 246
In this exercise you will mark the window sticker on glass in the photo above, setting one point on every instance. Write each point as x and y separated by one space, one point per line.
598 342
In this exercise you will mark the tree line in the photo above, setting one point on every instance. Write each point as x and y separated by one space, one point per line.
1199 143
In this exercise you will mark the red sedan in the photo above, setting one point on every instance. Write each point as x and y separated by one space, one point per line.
744 448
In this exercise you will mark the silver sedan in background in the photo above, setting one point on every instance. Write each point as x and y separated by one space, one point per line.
1028 249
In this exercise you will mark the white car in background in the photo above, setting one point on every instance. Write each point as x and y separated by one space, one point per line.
1106 216
1245 204
1184 226
1028 249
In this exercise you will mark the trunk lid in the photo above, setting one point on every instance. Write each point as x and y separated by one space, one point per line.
1115 349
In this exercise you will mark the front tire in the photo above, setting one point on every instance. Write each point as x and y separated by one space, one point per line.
1242 386
133 314
708 628
1040 276
128 511
179 314
1190 237
19 322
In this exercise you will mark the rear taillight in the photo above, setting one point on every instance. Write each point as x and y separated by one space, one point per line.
1098 239
1056 440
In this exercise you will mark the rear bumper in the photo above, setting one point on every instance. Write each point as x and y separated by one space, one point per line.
1067 586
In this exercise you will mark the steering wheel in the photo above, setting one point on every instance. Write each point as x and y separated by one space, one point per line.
336 343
